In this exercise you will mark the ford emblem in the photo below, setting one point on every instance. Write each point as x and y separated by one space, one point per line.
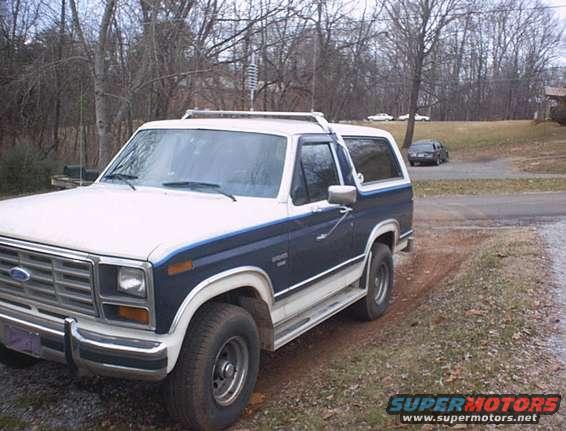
20 274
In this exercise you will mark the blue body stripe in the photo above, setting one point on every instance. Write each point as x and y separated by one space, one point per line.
296 236
384 190
229 235
264 225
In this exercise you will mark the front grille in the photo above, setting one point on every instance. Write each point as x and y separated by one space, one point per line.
56 282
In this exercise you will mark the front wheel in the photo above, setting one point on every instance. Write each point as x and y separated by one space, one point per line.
217 368
412 163
379 285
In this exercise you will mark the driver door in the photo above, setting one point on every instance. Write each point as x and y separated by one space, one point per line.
312 251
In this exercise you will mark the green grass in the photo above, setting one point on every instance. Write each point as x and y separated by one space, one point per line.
471 135
12 423
491 187
472 335
538 148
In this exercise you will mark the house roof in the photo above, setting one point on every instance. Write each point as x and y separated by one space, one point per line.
555 92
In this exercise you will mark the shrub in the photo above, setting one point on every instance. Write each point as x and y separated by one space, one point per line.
558 114
24 170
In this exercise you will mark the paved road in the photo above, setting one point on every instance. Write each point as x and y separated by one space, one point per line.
520 207
458 170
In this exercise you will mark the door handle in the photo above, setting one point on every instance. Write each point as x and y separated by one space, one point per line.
344 211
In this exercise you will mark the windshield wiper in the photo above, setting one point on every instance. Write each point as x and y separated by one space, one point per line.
125 178
196 185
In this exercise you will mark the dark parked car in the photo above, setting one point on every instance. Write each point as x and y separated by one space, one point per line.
427 151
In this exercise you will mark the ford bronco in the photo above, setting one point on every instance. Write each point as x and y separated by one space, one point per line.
205 240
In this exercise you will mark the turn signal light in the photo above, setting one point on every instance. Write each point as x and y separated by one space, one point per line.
177 268
140 315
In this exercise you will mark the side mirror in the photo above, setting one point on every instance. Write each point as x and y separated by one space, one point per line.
342 195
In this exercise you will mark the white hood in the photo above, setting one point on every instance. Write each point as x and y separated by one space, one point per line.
113 220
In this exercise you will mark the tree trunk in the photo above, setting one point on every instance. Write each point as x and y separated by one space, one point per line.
102 109
413 103
58 89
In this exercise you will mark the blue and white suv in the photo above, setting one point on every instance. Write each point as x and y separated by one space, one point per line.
205 240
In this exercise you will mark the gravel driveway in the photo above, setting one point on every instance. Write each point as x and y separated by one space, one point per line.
457 170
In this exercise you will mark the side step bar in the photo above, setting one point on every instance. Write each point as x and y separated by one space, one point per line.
294 327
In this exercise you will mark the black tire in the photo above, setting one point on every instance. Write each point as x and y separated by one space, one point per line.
412 163
381 276
16 360
189 390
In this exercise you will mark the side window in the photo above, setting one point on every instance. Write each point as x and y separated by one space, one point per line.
315 171
345 165
299 187
374 158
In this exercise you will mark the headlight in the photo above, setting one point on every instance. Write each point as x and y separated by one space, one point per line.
132 282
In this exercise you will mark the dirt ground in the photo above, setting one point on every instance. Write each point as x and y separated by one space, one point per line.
318 370
414 279
486 325
45 397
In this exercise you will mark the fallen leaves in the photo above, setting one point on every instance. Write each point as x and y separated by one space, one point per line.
475 312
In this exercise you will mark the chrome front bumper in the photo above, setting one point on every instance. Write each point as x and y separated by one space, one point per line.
90 353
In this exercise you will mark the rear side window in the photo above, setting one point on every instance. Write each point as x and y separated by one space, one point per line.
374 158
315 171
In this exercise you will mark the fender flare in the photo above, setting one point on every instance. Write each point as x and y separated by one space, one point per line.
386 226
226 281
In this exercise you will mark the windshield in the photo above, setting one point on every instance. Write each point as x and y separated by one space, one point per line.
239 163
422 146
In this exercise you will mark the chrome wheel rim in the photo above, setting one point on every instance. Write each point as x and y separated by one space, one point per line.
230 371
381 281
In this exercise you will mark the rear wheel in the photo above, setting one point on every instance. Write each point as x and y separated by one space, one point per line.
217 368
13 359
379 284
412 163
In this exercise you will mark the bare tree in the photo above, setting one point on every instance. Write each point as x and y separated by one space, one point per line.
123 62
97 58
417 26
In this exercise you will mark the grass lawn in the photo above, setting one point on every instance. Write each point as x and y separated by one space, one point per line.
490 187
462 136
540 147
484 333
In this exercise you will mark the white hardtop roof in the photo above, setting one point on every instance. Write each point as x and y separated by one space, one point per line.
261 125
265 125
352 130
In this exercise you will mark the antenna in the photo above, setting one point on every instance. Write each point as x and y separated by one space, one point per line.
251 80
81 140
314 59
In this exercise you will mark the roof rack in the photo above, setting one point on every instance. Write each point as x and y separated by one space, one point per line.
317 117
